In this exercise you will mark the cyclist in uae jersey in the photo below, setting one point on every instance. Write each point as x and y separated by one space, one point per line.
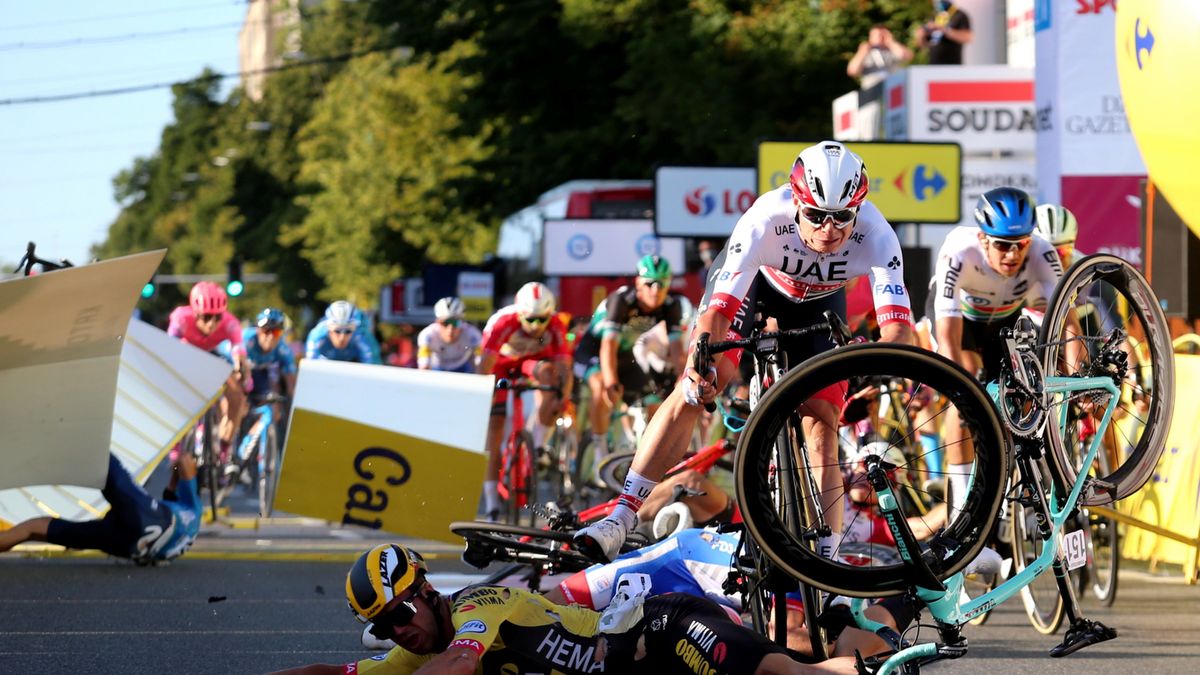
136 526
204 323
604 355
523 339
450 344
493 629
790 255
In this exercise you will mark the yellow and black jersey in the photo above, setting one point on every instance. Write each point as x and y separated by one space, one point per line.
514 632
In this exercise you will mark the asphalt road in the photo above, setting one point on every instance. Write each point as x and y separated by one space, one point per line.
227 609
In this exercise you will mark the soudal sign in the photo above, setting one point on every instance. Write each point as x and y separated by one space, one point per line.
983 108
692 201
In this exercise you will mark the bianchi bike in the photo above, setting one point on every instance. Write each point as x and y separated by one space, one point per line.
1024 420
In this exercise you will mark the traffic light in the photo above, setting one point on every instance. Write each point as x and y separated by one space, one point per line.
234 285
150 288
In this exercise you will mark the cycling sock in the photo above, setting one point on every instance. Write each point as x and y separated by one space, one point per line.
637 489
959 476
599 447
491 498
538 432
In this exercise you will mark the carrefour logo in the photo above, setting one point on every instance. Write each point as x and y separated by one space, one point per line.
648 244
925 179
580 246
699 202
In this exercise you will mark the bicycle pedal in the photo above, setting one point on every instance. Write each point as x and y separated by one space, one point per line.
1083 633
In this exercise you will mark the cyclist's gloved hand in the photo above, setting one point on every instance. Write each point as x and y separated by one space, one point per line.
699 390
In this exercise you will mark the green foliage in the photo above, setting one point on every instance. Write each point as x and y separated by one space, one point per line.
420 125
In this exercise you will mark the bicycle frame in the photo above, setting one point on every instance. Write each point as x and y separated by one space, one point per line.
256 438
945 604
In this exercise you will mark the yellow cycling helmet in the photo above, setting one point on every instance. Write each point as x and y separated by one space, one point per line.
379 575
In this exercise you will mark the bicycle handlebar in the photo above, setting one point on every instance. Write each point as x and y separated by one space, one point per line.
519 385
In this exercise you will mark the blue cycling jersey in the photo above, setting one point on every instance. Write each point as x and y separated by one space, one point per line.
319 346
266 367
693 561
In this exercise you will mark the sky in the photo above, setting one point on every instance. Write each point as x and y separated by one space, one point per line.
58 159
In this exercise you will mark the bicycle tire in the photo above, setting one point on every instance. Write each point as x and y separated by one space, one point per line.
1154 383
521 480
612 470
1041 598
1103 547
525 545
952 547
268 478
212 466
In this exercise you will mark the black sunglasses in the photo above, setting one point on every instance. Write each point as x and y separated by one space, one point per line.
384 626
208 318
653 283
817 217
535 319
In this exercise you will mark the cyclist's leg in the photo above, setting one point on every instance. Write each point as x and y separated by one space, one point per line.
495 433
704 507
975 357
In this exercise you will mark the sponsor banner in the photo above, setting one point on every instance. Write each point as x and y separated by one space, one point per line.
981 174
391 449
1019 28
983 108
163 386
60 351
476 290
871 111
1109 212
594 246
1170 500
845 117
895 106
910 182
693 201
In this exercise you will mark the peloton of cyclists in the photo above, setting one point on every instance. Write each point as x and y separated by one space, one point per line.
523 340
337 338
450 344
604 356
791 253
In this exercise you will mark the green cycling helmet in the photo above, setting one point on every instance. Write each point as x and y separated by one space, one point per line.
654 267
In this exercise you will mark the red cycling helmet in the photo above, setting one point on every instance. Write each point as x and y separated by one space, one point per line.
208 298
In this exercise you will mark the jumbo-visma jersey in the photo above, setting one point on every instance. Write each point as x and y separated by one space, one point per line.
767 239
514 631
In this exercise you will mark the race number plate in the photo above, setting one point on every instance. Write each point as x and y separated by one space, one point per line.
1075 549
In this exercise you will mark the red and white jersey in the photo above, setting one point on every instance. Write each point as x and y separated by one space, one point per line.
767 238
968 287
505 336
863 524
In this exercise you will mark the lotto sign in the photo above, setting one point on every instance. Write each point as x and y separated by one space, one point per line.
693 201
351 458
910 182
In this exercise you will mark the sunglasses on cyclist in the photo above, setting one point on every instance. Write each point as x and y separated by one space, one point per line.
208 318
453 323
1006 245
535 320
841 219
384 627
342 331
275 332
654 283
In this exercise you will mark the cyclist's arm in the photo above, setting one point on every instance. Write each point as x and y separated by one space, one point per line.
713 322
453 661
424 362
363 346
949 337
487 362
893 308
609 347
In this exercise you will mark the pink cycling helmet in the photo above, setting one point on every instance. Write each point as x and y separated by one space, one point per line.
208 298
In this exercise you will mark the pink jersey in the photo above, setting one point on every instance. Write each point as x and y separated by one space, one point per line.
183 326
504 335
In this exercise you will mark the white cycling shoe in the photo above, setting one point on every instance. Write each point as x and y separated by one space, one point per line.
602 539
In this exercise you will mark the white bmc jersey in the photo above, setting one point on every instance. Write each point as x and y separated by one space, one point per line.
968 287
442 355
767 238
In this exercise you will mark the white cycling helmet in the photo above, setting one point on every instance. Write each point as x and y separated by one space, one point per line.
829 177
534 299
1057 224
342 313
449 308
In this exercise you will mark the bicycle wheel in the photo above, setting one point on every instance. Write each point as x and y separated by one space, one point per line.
211 448
1100 293
519 479
949 548
612 470
1041 598
1104 557
526 545
268 477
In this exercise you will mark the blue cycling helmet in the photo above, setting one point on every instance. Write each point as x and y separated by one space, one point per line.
1005 213
271 318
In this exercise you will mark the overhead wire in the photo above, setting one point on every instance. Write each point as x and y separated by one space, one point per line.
126 15
114 39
